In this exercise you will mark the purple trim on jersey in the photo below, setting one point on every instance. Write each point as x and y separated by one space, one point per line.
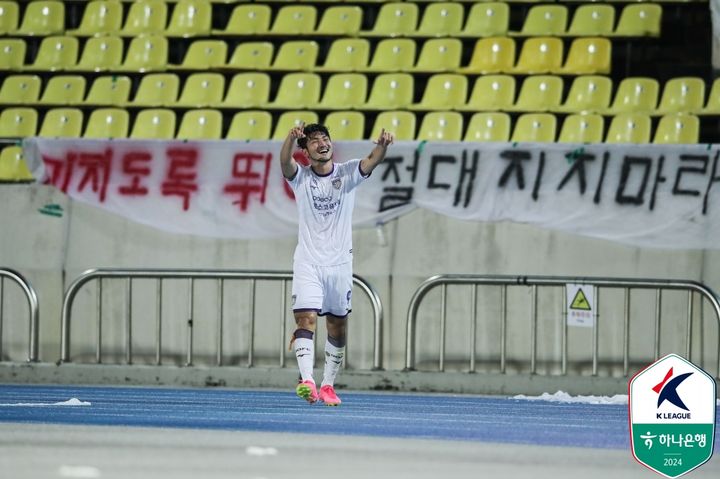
323 176
344 316
362 173
297 170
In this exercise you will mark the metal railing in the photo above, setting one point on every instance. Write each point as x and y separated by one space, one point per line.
33 307
191 275
626 284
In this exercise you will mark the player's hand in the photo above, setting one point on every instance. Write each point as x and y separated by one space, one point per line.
385 139
298 131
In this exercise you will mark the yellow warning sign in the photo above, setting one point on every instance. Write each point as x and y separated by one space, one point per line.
580 301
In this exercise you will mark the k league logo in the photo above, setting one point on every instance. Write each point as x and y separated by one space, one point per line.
672 416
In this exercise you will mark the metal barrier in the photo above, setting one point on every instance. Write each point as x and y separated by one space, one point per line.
191 276
33 307
534 281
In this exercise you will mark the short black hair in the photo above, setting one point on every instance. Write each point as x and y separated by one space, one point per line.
309 130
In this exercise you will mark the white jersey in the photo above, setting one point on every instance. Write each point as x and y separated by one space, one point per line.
325 207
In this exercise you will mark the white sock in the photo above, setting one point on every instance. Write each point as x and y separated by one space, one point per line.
305 354
333 359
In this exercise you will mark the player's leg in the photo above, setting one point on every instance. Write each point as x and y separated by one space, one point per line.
334 354
307 301
337 305
304 346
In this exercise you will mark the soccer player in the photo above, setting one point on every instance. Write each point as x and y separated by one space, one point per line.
322 264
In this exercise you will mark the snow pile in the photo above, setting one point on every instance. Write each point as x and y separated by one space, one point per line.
564 397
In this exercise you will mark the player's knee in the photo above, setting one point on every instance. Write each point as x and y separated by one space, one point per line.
306 320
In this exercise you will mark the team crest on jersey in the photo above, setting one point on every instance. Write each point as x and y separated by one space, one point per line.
337 183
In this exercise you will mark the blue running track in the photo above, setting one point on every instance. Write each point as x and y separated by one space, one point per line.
466 418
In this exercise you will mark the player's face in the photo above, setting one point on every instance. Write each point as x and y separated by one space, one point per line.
319 147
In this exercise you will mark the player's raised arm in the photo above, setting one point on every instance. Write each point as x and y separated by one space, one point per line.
287 163
377 155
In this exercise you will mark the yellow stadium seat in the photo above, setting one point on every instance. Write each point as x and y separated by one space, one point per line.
393 55
395 19
43 18
20 89
540 55
346 125
682 95
347 55
677 128
544 20
712 106
62 123
100 17
146 53
582 128
204 55
145 17
489 126
18 122
341 20
444 91
297 90
588 94
639 20
296 55
157 89
290 119
101 54
190 18
635 94
629 128
491 19
441 126
441 19
203 124
250 125
588 56
439 55
391 91
251 56
108 123
295 20
401 123
592 20
202 90
12 165
9 16
491 55
247 90
535 128
345 91
55 54
12 54
539 93
64 90
154 124
109 90
247 19
491 93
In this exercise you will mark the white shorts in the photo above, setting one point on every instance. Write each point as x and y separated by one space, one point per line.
324 289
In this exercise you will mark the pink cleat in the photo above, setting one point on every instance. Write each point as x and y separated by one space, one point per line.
328 396
307 391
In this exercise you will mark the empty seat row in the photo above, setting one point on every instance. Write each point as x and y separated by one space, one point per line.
195 17
208 124
354 91
150 53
